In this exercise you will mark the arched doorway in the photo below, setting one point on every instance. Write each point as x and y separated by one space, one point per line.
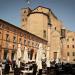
5 53
30 54
55 55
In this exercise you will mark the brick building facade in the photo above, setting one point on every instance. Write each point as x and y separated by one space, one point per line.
11 36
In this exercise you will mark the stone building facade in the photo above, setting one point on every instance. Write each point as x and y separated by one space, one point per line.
39 25
69 46
42 22
11 36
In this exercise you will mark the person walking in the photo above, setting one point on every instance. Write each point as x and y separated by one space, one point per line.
39 67
48 67
7 68
17 68
34 68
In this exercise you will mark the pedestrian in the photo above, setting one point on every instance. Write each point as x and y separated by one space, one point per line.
34 68
40 67
17 68
48 67
13 65
7 68
56 69
0 67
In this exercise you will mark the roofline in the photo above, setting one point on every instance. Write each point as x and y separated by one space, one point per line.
21 29
39 13
42 7
48 9
54 15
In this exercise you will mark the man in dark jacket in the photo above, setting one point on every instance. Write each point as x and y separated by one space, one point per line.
7 68
34 68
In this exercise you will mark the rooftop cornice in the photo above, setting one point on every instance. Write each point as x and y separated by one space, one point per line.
3 21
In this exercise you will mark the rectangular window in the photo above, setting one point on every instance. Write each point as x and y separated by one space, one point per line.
25 36
55 28
12 55
73 59
14 46
72 46
68 54
32 43
36 45
67 46
5 53
55 55
14 39
28 43
20 40
29 37
7 37
24 42
63 33
72 39
20 34
44 33
73 53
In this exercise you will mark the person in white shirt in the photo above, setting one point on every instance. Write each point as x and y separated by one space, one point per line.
48 67
39 67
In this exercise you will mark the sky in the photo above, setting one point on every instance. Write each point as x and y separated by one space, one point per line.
63 9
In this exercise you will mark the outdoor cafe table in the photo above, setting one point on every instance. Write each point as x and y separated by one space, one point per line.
27 72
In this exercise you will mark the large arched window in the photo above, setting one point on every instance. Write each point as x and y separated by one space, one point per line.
30 54
5 53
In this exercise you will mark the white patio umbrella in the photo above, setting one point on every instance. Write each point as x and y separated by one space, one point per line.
25 56
58 57
39 56
18 55
47 57
19 51
15 56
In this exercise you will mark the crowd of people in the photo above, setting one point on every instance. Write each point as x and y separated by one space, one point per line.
55 68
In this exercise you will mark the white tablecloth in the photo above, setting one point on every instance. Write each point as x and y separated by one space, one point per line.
26 71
